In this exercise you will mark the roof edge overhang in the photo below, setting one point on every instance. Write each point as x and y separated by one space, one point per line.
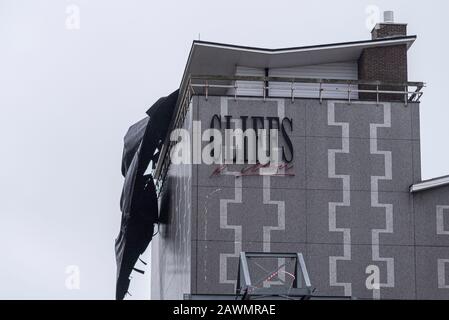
430 184
377 42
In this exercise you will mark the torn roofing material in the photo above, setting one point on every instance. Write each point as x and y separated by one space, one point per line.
138 202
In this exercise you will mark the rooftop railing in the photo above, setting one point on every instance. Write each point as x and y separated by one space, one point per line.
292 88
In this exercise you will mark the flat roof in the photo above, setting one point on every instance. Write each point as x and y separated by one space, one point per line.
430 184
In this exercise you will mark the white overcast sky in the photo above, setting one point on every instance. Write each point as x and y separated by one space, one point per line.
67 98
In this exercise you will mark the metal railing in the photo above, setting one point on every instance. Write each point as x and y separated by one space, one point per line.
206 83
209 85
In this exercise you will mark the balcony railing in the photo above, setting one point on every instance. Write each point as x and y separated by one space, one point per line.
208 85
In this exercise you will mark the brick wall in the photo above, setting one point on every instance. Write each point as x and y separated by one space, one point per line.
387 64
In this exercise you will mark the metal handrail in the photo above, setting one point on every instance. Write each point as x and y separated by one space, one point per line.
292 89
304 80
352 86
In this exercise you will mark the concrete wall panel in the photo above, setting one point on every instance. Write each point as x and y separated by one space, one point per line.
346 205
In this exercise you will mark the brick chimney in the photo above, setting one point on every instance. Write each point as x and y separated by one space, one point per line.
386 63
388 28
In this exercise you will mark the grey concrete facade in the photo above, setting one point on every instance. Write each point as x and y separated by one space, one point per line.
347 205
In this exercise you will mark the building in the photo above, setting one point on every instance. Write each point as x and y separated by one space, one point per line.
348 194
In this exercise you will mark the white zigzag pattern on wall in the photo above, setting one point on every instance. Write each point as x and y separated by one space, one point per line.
224 215
238 199
267 229
237 232
346 179
441 263
375 200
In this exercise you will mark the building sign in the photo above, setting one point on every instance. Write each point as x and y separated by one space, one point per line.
263 145
255 129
